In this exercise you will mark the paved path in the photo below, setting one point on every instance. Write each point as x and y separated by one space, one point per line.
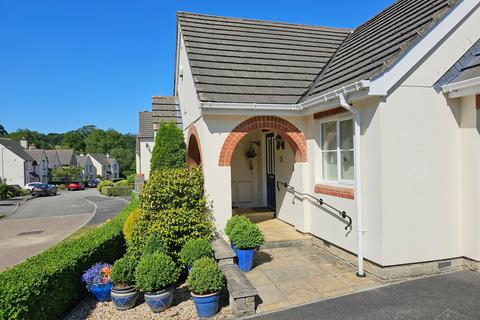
453 296
42 222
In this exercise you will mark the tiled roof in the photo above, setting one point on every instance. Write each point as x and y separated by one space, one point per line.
100 157
145 125
81 160
252 61
165 109
471 71
67 157
243 60
51 154
380 42
16 148
36 154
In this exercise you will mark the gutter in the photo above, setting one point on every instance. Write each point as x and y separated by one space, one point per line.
462 88
301 108
358 182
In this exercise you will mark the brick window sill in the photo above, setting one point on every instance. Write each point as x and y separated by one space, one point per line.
340 192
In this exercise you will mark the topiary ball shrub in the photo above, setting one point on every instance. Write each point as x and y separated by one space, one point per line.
156 272
174 208
195 249
169 150
232 222
154 244
128 226
104 183
205 277
123 271
246 235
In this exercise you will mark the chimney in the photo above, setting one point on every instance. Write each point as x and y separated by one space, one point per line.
24 143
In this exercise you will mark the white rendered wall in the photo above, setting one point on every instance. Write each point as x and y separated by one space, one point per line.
13 168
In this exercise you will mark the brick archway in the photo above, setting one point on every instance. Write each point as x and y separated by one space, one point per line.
284 128
194 151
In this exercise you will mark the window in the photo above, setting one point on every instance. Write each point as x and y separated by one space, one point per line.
337 151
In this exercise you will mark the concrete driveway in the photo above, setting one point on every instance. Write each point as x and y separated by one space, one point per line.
447 296
42 222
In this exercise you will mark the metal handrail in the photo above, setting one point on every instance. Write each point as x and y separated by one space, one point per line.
343 214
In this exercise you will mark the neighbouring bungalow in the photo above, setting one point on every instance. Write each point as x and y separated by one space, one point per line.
16 165
89 171
164 109
380 122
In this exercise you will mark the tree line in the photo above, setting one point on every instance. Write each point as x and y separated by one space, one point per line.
87 139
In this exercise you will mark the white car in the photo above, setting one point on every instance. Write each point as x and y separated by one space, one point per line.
31 185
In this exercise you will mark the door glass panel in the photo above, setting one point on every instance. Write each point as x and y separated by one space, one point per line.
329 165
329 136
348 172
346 134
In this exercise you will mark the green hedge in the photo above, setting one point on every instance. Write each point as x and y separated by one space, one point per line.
117 191
48 285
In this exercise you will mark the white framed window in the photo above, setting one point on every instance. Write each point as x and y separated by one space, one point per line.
338 151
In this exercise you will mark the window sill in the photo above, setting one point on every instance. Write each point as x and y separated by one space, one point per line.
341 192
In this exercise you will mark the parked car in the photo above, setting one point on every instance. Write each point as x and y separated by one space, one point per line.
92 184
40 189
75 186
29 186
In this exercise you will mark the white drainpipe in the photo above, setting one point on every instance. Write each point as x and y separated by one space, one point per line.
358 182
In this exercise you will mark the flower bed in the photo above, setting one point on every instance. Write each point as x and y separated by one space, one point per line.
48 285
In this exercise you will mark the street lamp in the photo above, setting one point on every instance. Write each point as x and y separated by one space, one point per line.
3 164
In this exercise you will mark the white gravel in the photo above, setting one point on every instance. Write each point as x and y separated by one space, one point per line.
182 308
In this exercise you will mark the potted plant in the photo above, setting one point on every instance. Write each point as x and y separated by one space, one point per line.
195 249
247 237
124 294
234 220
205 281
155 275
97 281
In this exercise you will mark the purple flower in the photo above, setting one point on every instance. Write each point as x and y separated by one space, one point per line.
95 275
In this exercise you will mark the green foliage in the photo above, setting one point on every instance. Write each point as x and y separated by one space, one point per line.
117 191
104 183
128 225
234 220
156 272
7 192
131 178
246 235
169 150
66 174
3 131
74 139
195 249
122 183
123 271
205 277
48 285
173 207
154 244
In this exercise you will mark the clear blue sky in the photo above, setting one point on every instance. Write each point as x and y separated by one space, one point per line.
65 64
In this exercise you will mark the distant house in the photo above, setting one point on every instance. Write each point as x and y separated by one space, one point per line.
40 163
16 165
115 168
102 164
67 157
53 159
164 109
89 172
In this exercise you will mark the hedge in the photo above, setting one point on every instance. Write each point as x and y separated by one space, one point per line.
117 191
48 285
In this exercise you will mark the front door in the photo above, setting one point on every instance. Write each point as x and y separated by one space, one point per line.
270 143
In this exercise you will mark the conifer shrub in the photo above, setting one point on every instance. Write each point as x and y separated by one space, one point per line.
169 150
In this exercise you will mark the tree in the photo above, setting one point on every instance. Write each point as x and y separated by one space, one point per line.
125 158
66 174
74 139
3 132
169 150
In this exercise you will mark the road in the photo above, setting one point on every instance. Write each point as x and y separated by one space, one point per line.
453 296
42 222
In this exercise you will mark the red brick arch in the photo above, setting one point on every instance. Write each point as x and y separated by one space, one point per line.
194 150
288 131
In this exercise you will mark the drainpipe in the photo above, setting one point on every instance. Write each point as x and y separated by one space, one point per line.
358 182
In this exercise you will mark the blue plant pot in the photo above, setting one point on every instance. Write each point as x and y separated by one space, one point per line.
207 306
101 292
245 259
124 298
189 269
159 301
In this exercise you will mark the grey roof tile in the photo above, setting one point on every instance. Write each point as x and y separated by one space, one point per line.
16 148
165 109
100 157
145 124
67 157
36 154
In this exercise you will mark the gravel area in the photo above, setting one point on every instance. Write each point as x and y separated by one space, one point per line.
182 308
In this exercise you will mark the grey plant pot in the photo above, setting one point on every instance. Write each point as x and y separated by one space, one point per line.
124 298
160 300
